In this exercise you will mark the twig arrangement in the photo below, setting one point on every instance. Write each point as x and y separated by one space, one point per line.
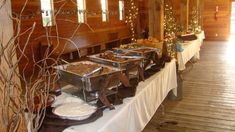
24 99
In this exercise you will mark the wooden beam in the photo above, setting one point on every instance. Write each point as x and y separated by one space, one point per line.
161 20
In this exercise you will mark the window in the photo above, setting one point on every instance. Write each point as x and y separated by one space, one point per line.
47 12
121 9
81 6
104 8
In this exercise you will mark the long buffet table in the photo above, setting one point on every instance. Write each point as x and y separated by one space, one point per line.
135 112
191 49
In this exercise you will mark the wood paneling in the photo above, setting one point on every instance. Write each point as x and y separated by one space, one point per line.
93 33
143 14
184 14
156 19
176 5
217 25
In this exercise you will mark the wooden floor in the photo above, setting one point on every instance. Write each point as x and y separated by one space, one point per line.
208 102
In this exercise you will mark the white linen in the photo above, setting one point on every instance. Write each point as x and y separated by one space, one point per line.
201 36
191 49
134 114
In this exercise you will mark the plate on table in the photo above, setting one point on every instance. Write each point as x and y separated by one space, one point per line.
75 111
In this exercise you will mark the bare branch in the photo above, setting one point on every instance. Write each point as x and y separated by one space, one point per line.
31 99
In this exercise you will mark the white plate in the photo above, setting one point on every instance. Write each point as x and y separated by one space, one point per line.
74 111
65 98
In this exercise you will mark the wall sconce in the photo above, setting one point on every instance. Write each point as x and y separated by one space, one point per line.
216 12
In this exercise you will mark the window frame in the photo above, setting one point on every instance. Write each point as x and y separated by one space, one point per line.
81 12
44 14
104 10
121 5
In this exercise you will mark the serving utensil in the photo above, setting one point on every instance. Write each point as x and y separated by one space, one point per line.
93 72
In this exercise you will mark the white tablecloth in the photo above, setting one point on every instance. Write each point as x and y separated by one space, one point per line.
201 37
191 49
134 114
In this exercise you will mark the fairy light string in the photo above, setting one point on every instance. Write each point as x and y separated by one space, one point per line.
170 30
131 16
194 22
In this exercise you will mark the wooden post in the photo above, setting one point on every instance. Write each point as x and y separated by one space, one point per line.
151 18
161 19
7 33
184 14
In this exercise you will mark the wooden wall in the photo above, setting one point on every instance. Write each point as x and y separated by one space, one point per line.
95 32
176 7
217 25
151 15
143 14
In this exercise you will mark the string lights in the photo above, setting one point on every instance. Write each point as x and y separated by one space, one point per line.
170 30
194 22
131 15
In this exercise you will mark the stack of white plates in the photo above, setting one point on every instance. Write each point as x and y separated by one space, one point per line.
65 98
74 111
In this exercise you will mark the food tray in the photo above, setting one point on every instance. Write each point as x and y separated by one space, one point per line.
149 54
123 65
137 50
89 83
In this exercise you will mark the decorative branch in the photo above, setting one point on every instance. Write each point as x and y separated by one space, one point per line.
25 98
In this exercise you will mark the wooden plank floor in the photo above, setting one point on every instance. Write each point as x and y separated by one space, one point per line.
208 102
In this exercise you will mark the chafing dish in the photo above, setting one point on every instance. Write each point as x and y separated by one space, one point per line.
150 54
130 65
92 82
138 50
120 61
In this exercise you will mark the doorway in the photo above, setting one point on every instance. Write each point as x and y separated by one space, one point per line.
233 19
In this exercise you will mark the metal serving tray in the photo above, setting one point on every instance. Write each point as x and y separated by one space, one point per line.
123 65
137 51
148 53
89 83
134 49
